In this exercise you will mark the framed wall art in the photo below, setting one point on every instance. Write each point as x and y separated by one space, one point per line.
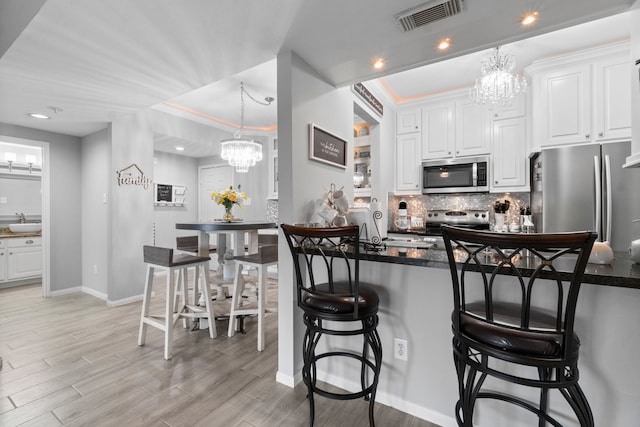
327 148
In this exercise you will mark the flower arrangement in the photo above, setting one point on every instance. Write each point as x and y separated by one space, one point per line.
228 198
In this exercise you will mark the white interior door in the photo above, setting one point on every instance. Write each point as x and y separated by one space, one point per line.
212 178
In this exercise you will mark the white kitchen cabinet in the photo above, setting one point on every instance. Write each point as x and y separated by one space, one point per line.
24 258
408 163
586 100
565 105
455 128
408 121
612 100
438 130
3 260
509 160
515 109
473 128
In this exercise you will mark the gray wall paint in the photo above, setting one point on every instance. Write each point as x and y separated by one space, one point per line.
65 177
95 188
131 205
634 19
176 170
303 98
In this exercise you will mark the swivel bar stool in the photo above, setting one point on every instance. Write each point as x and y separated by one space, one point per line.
515 299
326 262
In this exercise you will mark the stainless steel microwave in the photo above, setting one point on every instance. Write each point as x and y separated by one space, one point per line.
461 175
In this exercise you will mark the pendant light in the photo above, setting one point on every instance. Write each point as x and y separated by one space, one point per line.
240 152
498 84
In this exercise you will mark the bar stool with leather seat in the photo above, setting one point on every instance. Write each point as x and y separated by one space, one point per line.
515 298
332 298
176 267
267 255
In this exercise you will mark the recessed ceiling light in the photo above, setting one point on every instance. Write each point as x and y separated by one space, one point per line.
378 63
529 18
38 116
179 148
444 44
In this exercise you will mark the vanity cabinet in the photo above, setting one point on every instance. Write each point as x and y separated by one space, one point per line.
24 257
3 260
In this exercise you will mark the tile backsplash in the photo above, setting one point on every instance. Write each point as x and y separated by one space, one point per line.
419 205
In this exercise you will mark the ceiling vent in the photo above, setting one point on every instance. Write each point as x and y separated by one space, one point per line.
428 12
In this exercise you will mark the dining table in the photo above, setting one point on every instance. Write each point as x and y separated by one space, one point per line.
237 230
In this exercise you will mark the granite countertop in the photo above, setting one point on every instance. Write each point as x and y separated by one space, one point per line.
5 233
622 272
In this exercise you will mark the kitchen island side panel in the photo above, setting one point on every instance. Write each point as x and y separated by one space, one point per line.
416 304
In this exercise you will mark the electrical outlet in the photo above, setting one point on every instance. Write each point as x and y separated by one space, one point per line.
400 349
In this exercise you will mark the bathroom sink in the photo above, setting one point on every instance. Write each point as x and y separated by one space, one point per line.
27 227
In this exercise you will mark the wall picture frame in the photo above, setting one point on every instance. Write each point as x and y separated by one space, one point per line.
326 147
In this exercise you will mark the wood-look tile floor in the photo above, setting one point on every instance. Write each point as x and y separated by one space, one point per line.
72 361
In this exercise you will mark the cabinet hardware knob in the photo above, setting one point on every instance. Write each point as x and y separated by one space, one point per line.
496 182
457 152
10 253
449 152
601 134
587 136
495 115
29 242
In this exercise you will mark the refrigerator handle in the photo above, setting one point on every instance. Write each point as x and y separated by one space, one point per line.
607 171
596 167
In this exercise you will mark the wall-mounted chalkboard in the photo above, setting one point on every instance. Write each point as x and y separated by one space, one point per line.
170 195
326 147
164 193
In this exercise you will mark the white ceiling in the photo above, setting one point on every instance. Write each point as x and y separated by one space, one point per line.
97 59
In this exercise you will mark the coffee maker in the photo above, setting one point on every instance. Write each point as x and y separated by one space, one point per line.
403 218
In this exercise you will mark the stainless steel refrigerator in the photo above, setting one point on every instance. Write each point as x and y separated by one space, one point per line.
585 188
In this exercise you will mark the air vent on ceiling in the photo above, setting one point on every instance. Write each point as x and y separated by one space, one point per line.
428 12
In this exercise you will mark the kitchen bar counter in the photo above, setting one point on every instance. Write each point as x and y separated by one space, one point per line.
622 272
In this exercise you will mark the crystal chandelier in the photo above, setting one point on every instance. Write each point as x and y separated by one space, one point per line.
498 84
240 152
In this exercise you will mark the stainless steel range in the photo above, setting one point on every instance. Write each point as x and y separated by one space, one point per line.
475 219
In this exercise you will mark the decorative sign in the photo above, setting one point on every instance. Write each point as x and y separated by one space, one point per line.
133 175
368 98
326 147
170 195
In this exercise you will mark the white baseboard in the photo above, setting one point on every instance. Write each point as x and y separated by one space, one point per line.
124 301
288 380
94 293
66 291
393 401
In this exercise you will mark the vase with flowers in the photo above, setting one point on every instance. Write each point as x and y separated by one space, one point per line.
228 198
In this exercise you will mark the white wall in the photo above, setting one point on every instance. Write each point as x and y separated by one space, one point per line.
65 177
634 18
96 196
